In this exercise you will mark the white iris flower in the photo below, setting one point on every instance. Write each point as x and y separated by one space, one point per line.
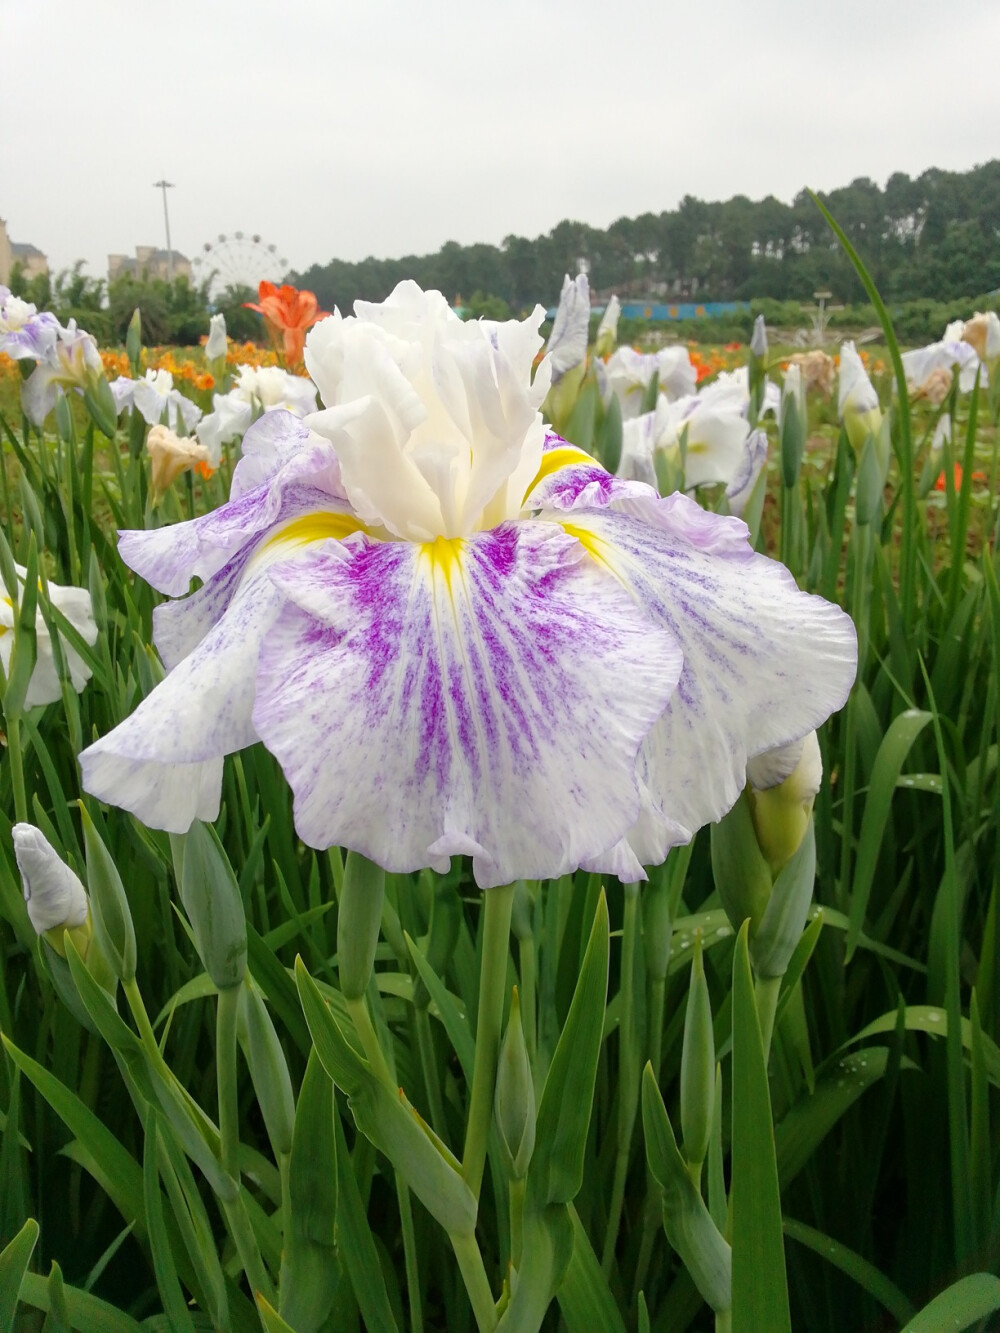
459 634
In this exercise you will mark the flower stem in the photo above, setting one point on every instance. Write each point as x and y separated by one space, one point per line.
470 1262
358 1009
226 1014
16 757
410 1255
766 992
492 986
518 1189
628 1071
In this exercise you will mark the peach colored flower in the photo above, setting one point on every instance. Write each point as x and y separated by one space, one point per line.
817 370
171 455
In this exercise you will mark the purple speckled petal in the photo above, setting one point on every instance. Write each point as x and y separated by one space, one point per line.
279 440
764 663
569 478
486 697
164 762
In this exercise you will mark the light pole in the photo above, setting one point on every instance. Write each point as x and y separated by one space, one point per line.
166 185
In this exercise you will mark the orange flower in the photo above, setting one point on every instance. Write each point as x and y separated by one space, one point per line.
942 483
288 313
204 381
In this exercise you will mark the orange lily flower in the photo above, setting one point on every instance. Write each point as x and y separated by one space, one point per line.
942 484
288 313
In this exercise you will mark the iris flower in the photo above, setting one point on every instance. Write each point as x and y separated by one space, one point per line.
44 686
152 396
70 362
288 313
627 374
24 332
258 389
458 634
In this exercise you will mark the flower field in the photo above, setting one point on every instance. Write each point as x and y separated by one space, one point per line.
498 832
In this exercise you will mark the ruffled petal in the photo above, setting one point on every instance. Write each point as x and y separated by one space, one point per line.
306 480
764 663
487 697
164 762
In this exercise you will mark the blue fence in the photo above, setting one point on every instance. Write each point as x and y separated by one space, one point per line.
663 311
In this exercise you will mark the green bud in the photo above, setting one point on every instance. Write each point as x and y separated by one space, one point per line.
794 424
109 904
562 397
697 1064
358 923
211 898
100 404
742 876
772 946
514 1103
868 495
268 1071
781 806
133 342
702 1248
64 417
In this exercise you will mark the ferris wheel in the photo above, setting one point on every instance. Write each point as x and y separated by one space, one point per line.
238 259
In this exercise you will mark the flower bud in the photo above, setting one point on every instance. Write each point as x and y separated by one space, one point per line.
215 347
783 787
858 401
268 1072
133 341
758 340
212 901
55 897
514 1103
112 916
742 876
697 1065
607 330
794 425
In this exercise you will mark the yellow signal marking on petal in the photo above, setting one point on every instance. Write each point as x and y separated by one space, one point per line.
443 557
566 455
315 528
595 546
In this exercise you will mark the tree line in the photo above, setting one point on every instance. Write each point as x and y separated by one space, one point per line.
932 237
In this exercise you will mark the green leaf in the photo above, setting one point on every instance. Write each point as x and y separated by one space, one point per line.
548 1245
357 1247
58 1320
309 1270
585 1299
556 1171
961 1305
269 1317
866 1275
14 1261
87 1313
122 1179
895 746
167 1282
455 1024
807 1123
760 1286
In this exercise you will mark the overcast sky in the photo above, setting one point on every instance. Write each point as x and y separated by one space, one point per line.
340 130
